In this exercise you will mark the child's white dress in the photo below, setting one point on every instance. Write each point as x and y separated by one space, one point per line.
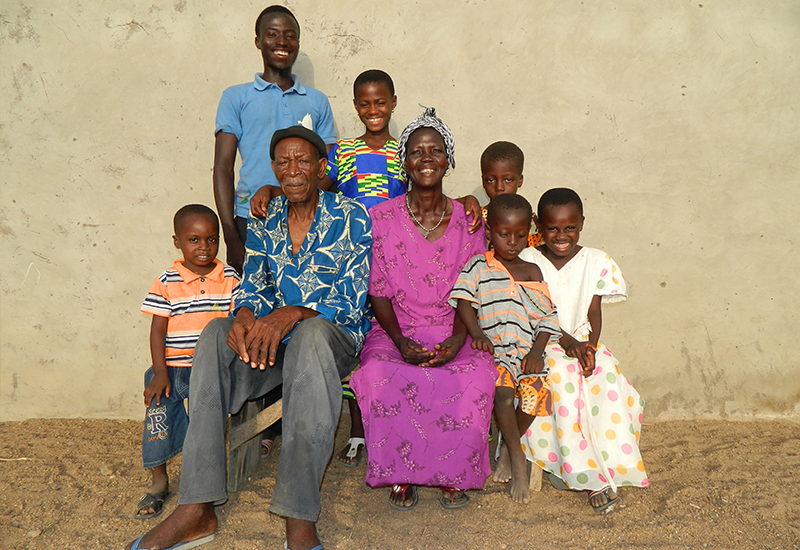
596 420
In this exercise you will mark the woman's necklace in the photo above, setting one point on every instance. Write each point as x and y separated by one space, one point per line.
413 217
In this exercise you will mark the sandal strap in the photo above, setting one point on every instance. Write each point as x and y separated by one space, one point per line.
354 443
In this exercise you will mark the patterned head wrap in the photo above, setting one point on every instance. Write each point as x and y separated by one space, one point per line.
428 119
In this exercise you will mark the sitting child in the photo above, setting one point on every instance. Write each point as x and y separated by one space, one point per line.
195 290
501 174
591 441
507 310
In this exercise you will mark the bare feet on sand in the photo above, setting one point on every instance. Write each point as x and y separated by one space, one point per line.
188 522
514 471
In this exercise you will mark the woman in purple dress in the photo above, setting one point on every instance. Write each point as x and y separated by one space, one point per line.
426 395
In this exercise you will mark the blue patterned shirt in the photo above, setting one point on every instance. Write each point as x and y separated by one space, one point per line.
329 273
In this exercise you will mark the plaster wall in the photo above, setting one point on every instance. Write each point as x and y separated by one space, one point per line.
676 121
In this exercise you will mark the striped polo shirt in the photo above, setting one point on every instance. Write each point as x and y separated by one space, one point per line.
511 313
190 301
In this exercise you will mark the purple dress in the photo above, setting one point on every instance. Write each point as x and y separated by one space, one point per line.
426 426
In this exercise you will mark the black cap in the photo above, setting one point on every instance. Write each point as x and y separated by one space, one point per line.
301 132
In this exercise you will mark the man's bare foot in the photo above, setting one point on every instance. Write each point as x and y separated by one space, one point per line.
301 534
188 522
519 480
502 471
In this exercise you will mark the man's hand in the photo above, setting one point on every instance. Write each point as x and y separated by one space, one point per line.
256 341
158 385
260 201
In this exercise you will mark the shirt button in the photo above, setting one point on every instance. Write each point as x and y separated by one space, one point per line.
202 279
202 292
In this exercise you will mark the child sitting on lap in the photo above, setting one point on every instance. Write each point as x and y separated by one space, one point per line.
508 312
591 441
182 301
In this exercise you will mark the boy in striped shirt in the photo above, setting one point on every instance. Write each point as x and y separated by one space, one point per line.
182 301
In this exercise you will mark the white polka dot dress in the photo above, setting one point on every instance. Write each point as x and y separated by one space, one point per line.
591 440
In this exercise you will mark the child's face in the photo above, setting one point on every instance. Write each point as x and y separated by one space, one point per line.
560 227
198 240
500 177
279 41
374 104
508 233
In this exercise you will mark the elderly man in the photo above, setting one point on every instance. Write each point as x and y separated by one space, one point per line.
299 321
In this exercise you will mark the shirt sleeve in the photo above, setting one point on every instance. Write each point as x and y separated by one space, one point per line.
157 300
323 126
332 171
228 115
466 286
257 289
346 301
610 282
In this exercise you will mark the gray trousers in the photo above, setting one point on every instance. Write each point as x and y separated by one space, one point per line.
310 367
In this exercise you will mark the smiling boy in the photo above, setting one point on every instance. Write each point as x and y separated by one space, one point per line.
248 115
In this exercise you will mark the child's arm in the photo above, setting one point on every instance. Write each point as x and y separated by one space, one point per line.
470 319
533 362
595 320
473 208
160 383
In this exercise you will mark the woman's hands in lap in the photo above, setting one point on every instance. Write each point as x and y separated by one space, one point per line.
445 351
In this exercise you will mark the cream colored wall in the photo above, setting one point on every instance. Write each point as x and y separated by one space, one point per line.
677 122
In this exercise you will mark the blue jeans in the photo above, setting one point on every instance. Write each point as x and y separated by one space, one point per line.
165 425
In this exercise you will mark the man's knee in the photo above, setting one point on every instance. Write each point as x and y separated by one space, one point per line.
312 333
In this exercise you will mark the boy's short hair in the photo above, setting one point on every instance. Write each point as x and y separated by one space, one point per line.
373 75
504 150
192 210
508 202
559 196
275 9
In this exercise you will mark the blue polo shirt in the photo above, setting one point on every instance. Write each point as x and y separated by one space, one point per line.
253 112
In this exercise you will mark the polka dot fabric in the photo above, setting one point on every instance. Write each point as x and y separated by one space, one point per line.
600 413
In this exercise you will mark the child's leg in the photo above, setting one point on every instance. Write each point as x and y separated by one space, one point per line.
346 456
164 431
512 459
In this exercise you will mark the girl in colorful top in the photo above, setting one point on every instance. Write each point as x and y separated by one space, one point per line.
507 310
591 440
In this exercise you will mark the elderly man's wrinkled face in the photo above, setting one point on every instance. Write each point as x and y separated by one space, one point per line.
298 168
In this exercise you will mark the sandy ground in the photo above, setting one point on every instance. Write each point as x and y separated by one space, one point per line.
75 484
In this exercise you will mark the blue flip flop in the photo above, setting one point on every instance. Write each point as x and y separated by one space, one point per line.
181 545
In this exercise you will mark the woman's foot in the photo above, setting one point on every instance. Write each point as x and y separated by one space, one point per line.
403 497
502 468
351 454
453 498
603 500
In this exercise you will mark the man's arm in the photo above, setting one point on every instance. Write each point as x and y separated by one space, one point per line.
224 159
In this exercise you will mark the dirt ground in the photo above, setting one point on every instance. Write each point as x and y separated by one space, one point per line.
75 483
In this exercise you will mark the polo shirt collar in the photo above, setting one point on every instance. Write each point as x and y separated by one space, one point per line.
216 275
260 84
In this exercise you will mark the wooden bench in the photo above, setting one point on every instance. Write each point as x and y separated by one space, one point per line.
244 448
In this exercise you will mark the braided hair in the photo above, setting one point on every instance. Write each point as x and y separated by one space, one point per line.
428 119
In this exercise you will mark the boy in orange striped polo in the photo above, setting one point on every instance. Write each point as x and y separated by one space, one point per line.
182 301
507 309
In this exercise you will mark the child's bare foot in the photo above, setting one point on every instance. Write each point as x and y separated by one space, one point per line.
502 470
519 481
